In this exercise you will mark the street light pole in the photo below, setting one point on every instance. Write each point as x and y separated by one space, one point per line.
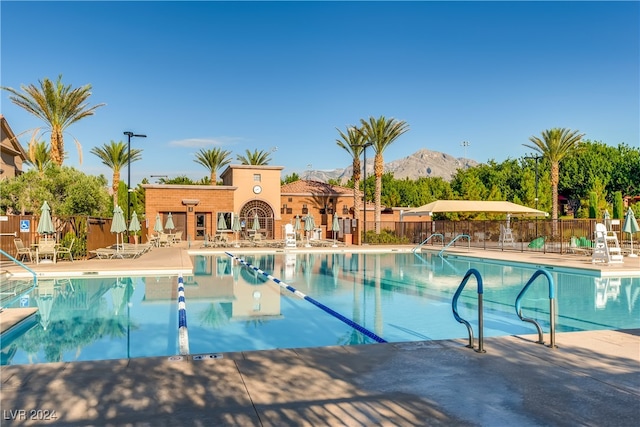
129 136
364 186
536 158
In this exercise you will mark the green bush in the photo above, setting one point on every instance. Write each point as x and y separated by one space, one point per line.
386 237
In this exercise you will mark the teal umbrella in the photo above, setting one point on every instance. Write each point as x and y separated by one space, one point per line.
308 226
630 226
169 225
135 223
157 227
236 227
256 222
297 226
222 224
118 224
335 227
45 225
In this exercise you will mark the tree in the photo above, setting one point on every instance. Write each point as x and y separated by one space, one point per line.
213 160
555 145
288 179
381 133
256 158
353 142
115 155
58 106
39 156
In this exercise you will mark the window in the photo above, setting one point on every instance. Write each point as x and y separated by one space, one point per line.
257 177
304 209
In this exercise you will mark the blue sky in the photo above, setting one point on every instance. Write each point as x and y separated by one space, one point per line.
259 75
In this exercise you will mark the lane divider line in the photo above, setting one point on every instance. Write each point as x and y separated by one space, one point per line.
183 334
318 304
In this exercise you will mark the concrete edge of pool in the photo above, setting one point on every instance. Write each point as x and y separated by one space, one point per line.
592 378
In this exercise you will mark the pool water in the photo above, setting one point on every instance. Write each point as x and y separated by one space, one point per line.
397 296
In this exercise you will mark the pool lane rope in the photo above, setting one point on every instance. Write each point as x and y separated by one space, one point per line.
183 335
318 304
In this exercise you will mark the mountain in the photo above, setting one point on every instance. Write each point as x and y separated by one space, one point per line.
422 163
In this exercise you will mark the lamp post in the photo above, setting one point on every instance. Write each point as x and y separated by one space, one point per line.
364 185
465 144
536 158
129 136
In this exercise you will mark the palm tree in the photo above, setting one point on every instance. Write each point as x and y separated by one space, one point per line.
555 145
257 158
39 156
58 106
213 160
353 142
115 155
381 133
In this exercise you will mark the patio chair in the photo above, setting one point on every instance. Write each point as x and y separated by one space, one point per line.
23 251
46 249
177 238
63 250
163 240
152 240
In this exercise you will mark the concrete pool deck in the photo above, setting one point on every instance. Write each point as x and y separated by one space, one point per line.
592 378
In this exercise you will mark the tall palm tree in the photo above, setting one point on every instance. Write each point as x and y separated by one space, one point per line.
555 145
381 133
39 156
256 158
58 106
115 155
213 160
353 143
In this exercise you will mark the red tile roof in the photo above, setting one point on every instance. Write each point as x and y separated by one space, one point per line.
303 186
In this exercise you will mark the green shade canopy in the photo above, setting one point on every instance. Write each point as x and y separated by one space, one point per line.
134 225
45 225
169 225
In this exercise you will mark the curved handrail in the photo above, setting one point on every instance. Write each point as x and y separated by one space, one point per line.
425 241
459 236
19 263
552 316
454 306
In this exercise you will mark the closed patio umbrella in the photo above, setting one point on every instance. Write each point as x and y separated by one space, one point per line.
630 226
169 225
256 222
118 224
222 224
134 225
236 227
335 227
308 226
45 225
297 226
157 227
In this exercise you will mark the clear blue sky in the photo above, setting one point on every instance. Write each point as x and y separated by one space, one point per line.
258 75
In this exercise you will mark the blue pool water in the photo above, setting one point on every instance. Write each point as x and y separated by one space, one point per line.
397 296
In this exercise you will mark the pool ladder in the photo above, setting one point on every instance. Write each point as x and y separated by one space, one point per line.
425 241
518 306
458 237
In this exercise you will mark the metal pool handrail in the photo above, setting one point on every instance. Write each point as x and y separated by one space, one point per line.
424 242
459 236
19 263
454 306
552 308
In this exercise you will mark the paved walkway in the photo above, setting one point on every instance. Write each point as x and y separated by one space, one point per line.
592 378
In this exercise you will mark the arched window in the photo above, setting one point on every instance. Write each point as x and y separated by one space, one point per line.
265 217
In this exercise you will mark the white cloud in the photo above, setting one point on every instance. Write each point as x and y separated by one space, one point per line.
205 142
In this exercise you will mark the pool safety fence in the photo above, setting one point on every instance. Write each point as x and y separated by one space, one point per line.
183 334
318 304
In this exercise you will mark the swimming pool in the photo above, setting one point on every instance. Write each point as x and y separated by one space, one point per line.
398 296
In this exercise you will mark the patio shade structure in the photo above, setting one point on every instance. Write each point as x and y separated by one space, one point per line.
134 225
45 225
630 226
335 227
169 224
490 206
236 227
118 225
157 227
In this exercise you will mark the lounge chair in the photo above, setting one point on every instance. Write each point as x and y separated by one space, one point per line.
104 253
152 240
537 243
207 241
23 251
63 250
289 236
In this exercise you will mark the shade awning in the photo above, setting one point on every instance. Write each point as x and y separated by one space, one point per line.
490 206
